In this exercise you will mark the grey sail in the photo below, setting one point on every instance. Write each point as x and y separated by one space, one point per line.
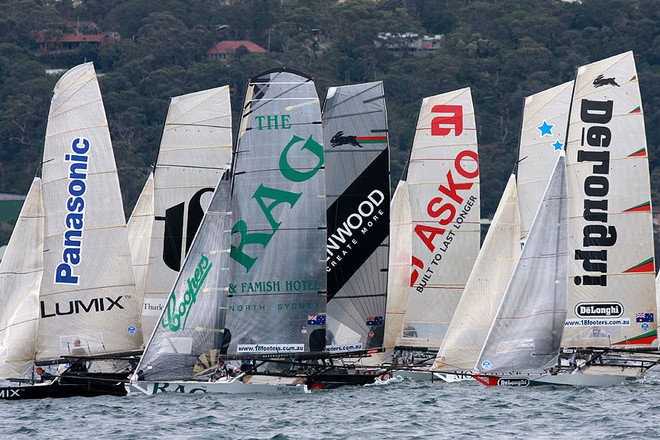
190 331
358 214
277 270
527 330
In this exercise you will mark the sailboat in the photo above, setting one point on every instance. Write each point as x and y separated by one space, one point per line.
358 215
545 117
525 335
483 292
253 286
442 183
87 307
194 151
610 336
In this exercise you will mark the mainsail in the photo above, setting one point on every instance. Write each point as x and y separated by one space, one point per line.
358 201
526 332
543 134
611 286
277 281
20 278
87 295
194 151
443 186
484 289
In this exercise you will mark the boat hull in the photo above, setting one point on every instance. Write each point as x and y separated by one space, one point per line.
589 378
263 385
66 386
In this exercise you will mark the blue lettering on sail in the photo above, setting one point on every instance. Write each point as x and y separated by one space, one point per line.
75 208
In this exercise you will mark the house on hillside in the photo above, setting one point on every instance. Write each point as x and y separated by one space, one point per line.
82 32
225 50
409 42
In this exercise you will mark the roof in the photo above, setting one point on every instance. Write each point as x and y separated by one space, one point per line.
231 46
41 37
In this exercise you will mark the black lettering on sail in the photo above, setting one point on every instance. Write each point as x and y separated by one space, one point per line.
195 215
350 215
173 237
173 254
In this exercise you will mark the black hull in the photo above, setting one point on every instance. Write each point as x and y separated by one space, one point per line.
70 385
335 380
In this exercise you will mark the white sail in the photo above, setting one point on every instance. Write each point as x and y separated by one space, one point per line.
443 185
545 119
485 288
139 227
20 278
87 292
611 297
527 329
358 200
398 282
195 149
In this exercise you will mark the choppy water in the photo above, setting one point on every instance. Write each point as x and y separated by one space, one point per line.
404 410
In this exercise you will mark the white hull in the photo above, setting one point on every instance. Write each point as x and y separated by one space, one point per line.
594 376
431 376
249 385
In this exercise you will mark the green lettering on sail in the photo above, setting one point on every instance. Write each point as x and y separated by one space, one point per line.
175 313
277 196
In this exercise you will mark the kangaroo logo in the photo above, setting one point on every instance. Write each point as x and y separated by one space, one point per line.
602 81
340 139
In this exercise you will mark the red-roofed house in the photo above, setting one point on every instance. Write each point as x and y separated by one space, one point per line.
48 43
225 49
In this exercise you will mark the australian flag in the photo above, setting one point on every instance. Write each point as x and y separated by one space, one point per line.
315 319
375 320
644 317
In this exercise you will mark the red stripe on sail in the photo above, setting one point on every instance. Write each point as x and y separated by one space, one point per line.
644 266
372 138
645 339
637 109
639 153
646 206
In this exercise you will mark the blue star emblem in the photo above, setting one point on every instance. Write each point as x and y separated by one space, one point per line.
558 145
545 128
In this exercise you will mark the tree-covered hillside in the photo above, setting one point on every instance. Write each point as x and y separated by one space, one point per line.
503 49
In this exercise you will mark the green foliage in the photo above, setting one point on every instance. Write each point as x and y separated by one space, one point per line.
503 49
